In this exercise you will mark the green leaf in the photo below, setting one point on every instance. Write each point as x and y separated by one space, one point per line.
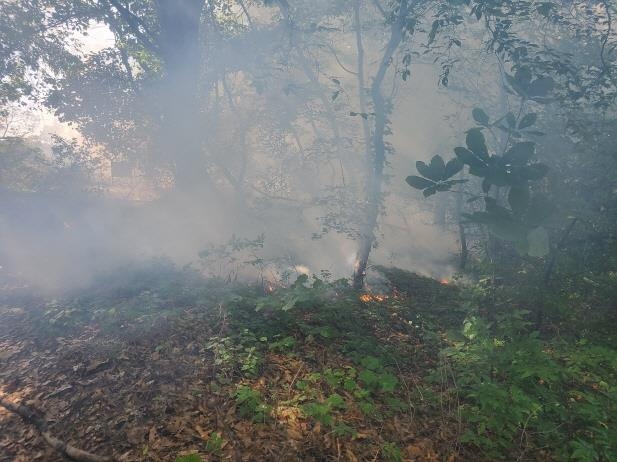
418 182
520 153
498 176
300 281
369 377
468 157
480 116
540 208
453 167
290 303
515 85
336 401
433 32
476 143
371 362
511 120
518 198
438 168
538 242
189 458
430 191
534 172
500 223
541 87
495 209
424 169
528 120
523 76
388 382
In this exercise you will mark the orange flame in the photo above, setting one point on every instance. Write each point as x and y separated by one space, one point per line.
366 298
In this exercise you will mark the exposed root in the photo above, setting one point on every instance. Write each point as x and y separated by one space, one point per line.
71 452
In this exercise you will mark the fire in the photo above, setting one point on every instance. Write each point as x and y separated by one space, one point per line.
445 282
366 298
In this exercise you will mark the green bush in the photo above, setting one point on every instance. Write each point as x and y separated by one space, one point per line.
520 392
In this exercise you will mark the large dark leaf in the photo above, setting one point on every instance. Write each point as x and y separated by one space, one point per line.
476 143
540 208
419 182
498 176
538 241
520 153
453 167
515 85
528 120
523 76
468 157
430 191
502 226
511 120
424 169
433 32
480 116
541 87
434 171
518 198
478 171
534 172
496 210
438 168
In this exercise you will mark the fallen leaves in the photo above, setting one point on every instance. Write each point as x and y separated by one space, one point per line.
154 397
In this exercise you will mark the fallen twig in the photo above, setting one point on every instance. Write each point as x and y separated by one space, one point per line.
31 417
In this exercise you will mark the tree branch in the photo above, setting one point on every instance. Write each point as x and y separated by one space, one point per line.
136 25
31 417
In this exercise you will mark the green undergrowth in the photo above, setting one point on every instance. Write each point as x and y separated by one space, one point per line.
519 392
489 381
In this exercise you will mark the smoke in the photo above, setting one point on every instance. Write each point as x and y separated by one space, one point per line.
278 152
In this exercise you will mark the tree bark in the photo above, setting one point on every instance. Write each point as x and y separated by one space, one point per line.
378 156
182 134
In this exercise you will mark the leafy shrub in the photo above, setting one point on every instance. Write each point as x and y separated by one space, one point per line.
391 452
520 392
250 404
238 353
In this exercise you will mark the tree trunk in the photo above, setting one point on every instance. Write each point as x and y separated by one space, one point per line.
378 156
182 138
461 228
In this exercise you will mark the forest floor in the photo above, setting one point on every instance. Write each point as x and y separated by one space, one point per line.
165 367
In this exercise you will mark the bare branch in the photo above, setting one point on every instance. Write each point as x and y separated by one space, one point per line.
31 417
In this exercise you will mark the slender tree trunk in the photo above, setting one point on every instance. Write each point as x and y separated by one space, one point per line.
378 156
461 229
180 24
361 85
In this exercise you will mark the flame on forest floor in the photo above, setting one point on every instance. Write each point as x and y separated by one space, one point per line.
373 298
445 282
